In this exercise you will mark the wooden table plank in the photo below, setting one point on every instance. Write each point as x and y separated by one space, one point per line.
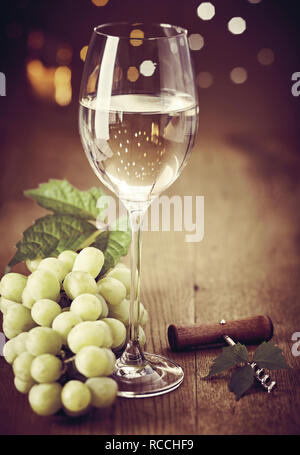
248 263
249 266
167 292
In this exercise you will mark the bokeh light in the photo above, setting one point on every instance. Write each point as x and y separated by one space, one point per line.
238 75
63 88
64 54
206 11
35 40
237 25
83 53
62 75
265 56
63 95
205 79
136 36
92 80
100 2
41 79
147 68
196 41
133 74
35 68
254 1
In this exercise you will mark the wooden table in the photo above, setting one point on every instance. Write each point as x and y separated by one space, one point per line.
247 264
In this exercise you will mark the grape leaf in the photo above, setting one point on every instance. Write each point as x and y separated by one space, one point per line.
241 380
270 356
241 352
114 244
63 198
50 235
230 356
68 228
40 246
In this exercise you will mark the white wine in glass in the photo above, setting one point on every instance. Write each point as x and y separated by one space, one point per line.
138 121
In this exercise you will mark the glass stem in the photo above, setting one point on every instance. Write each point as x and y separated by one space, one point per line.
133 353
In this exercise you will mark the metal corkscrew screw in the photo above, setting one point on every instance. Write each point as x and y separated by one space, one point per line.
262 377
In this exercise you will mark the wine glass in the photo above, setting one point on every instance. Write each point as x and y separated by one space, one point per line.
138 121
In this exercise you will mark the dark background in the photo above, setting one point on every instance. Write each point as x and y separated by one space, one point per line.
39 138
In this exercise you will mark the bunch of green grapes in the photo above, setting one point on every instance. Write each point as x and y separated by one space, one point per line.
64 328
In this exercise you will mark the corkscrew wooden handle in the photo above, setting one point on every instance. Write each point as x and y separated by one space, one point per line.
252 330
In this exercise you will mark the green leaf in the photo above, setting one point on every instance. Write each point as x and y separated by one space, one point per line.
230 356
114 244
63 198
241 352
50 235
269 356
241 380
40 246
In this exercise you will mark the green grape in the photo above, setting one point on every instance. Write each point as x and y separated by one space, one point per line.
42 284
12 286
64 322
9 332
142 336
66 308
112 290
118 331
45 399
76 397
89 260
23 386
143 316
121 265
27 298
86 333
87 306
19 318
77 283
9 351
107 334
45 311
46 368
122 312
104 311
5 304
111 362
22 366
104 391
43 340
93 361
32 265
20 342
68 258
122 274
55 266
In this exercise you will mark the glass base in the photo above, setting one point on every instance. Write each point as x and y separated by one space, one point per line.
156 375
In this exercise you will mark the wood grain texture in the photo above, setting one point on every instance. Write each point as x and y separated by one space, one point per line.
247 264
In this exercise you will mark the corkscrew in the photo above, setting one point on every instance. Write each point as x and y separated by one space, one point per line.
262 377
